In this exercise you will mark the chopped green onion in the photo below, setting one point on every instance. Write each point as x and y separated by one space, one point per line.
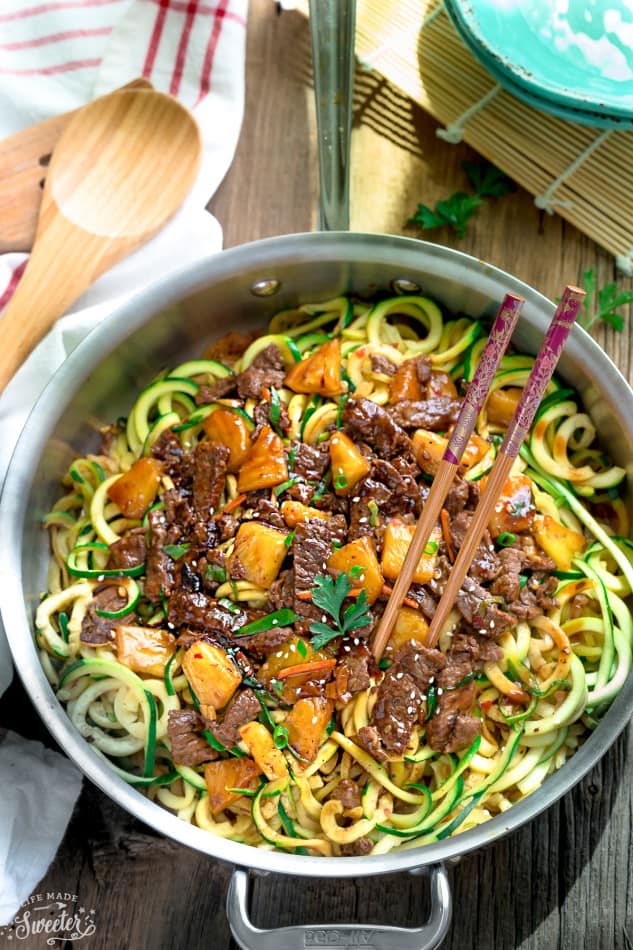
63 626
323 437
292 454
275 405
228 604
522 580
216 573
176 551
506 539
356 571
279 489
302 649
373 513
430 547
340 481
384 663
279 618
264 717
290 538
280 736
431 701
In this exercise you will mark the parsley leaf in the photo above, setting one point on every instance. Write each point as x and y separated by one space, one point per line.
329 595
602 303
455 212
488 180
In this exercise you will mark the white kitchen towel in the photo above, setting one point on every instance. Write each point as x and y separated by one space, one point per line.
56 55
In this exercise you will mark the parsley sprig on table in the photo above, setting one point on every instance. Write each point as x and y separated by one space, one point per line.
329 595
456 211
602 303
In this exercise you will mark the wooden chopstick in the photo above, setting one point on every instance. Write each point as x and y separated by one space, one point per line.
542 372
494 349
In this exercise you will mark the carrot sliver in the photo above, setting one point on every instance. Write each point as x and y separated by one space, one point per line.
407 602
446 532
233 504
304 595
316 666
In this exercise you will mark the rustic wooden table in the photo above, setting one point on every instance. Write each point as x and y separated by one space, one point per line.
562 882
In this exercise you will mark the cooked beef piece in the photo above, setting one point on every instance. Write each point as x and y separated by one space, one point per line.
312 548
244 708
188 745
348 793
508 583
178 510
267 512
226 526
485 565
168 448
474 650
330 502
302 491
261 645
369 739
310 461
422 665
194 609
231 346
534 559
282 591
261 415
159 576
380 364
423 368
457 497
266 370
218 389
423 598
128 551
395 712
361 514
452 727
404 492
578 606
353 670
370 423
357 848
210 461
535 598
436 414
97 630
478 609
440 576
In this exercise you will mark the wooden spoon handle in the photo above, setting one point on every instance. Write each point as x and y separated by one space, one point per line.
41 297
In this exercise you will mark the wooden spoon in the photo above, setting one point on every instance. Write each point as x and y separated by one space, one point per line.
120 170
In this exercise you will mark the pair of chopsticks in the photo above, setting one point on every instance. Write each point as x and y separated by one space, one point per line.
542 372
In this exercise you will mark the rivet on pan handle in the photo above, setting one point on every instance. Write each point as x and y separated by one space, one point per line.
343 936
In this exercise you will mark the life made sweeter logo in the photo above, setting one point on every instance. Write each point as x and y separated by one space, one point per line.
54 915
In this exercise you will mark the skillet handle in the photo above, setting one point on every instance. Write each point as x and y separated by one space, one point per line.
332 26
343 936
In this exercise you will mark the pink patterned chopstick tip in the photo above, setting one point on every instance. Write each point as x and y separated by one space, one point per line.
543 369
497 344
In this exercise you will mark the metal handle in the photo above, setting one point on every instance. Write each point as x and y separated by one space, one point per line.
332 27
343 936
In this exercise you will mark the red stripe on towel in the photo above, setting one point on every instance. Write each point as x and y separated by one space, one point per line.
207 66
13 283
181 54
55 5
56 38
52 70
157 32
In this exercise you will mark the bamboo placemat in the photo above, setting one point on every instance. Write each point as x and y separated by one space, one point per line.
581 173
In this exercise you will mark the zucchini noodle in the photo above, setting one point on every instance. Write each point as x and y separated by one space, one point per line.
113 657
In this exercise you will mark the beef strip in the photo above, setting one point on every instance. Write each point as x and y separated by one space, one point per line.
282 591
179 513
159 570
312 548
422 597
452 727
243 709
128 551
400 695
398 476
188 608
437 583
367 421
380 364
188 745
353 670
535 598
226 526
261 415
508 583
267 512
458 496
210 463
358 848
361 515
485 565
310 461
266 370
347 792
479 610
97 630
261 645
218 389
168 448
534 559
436 414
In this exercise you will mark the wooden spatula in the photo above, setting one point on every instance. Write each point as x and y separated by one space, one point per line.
24 159
120 170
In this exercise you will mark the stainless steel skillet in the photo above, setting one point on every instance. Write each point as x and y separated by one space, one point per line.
175 319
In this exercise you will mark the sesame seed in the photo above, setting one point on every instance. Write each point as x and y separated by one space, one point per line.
274 622
314 720
399 675
492 623
356 641
347 649
279 654
439 690
412 694
101 577
423 696
432 680
356 499
410 709
323 618
292 648
362 520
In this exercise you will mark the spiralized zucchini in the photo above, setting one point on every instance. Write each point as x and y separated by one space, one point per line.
565 666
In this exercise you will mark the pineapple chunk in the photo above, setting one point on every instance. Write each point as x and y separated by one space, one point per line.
514 510
136 490
265 465
349 465
441 384
294 513
501 405
429 448
405 383
398 536
409 625
318 373
144 649
232 430
474 452
261 746
306 724
258 554
359 553
213 676
560 543
225 774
